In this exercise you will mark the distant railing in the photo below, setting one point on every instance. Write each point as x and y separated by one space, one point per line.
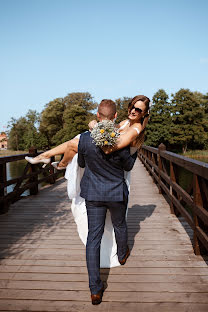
29 179
188 197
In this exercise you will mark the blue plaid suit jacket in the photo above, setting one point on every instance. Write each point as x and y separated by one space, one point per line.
103 179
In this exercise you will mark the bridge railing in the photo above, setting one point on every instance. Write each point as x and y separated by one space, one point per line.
185 182
31 177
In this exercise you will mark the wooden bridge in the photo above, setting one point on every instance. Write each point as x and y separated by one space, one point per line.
42 260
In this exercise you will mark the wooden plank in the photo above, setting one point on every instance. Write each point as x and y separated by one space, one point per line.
65 256
125 296
41 266
134 258
142 238
113 286
158 244
74 306
136 278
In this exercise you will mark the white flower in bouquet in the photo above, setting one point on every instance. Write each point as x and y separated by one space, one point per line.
105 133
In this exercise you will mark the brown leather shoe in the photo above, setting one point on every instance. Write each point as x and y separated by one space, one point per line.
97 299
123 261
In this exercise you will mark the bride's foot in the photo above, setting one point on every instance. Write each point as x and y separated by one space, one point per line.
45 155
35 160
57 166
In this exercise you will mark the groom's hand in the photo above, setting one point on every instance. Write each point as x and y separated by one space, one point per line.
108 149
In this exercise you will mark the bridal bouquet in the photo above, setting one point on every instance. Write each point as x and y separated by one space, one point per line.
105 133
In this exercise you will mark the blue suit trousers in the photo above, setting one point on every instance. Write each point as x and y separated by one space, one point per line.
96 212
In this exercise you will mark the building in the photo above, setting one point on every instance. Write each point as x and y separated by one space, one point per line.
3 140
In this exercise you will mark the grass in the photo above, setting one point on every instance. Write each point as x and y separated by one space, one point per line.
10 153
4 153
201 155
197 153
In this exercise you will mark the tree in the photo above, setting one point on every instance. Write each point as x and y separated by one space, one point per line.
76 121
31 136
187 129
12 134
80 99
205 119
205 103
51 120
122 108
23 132
18 128
158 128
54 125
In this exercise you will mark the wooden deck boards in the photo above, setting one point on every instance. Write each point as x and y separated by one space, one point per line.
42 260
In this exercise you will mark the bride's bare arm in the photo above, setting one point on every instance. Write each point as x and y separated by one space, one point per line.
129 136
125 139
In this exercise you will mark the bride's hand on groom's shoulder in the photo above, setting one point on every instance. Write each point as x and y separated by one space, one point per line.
92 124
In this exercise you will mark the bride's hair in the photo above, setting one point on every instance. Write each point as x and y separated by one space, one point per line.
107 109
141 137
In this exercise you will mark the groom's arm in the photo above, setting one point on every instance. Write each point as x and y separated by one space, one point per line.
81 159
128 160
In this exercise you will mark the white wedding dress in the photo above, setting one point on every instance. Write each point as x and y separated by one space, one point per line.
108 253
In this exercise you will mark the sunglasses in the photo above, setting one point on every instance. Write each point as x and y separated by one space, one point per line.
137 109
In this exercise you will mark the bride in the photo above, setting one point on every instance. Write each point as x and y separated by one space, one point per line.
132 133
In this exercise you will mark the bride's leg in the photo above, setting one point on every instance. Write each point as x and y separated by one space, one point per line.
60 149
71 150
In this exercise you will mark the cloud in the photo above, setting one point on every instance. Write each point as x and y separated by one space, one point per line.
204 60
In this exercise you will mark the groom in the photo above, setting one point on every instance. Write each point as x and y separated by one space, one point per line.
103 187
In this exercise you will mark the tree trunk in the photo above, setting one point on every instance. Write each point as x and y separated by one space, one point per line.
17 145
184 148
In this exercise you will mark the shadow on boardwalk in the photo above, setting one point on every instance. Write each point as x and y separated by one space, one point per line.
137 214
31 217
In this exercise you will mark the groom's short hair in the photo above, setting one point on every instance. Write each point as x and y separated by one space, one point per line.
107 109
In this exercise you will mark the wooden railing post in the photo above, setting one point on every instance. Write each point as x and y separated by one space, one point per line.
173 179
3 191
161 147
197 202
33 189
51 170
144 154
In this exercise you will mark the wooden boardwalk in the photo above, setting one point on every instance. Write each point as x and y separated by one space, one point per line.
42 260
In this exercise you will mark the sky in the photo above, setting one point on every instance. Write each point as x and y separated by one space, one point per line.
110 48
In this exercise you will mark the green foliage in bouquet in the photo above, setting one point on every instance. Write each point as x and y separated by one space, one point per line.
105 133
